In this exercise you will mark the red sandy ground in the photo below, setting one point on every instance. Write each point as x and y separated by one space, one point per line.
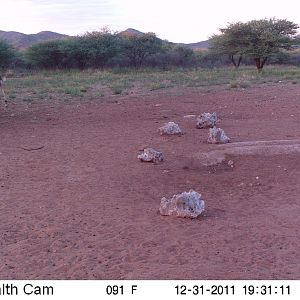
84 207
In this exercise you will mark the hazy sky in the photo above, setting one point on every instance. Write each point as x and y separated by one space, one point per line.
177 21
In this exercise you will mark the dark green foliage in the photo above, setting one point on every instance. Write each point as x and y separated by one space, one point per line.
138 48
18 61
181 56
230 42
210 59
172 56
258 39
7 55
47 55
93 50
265 38
294 58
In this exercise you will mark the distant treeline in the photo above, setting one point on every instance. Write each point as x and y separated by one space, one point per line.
107 50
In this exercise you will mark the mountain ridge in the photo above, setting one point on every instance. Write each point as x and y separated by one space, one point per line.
22 41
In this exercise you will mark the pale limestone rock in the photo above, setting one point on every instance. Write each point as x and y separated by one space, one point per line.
186 205
217 136
151 155
206 120
170 128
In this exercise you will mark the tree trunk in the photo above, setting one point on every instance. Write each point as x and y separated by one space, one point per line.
233 60
259 62
263 62
236 63
239 61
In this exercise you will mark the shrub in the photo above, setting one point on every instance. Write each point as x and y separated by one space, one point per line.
7 55
46 55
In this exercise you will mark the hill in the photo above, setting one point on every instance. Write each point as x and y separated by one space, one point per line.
194 46
22 41
131 32
199 45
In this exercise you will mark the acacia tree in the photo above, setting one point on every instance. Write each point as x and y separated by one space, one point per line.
230 42
138 48
100 47
258 39
267 37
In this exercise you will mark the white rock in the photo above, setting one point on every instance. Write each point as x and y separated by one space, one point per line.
217 136
170 128
151 155
186 205
206 120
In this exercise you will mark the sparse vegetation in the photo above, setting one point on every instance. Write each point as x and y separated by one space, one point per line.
255 40
240 83
94 85
101 63
258 40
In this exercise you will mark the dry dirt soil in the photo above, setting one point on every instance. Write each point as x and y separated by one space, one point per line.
76 203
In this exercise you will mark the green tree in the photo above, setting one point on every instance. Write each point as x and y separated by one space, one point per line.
138 48
7 54
258 39
75 53
100 47
268 37
46 55
230 42
92 50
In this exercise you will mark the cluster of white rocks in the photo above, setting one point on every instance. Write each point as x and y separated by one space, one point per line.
187 204
215 135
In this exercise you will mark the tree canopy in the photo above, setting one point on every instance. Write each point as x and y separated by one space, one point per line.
7 54
94 50
258 39
138 48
